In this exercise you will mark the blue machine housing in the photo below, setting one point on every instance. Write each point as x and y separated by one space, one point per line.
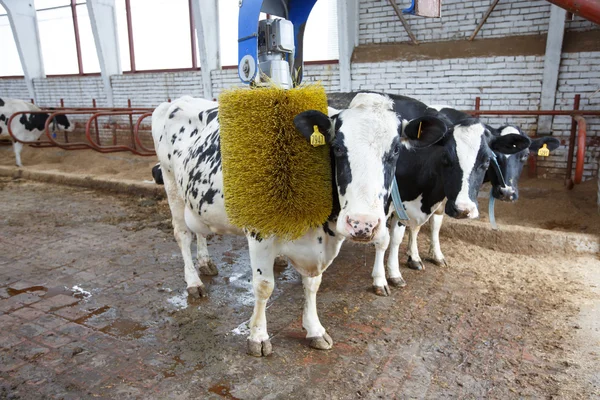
296 11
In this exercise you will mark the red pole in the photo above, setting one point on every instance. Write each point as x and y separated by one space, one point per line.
581 137
77 38
571 149
96 124
131 124
477 103
130 35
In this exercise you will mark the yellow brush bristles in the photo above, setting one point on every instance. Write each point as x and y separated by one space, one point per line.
275 182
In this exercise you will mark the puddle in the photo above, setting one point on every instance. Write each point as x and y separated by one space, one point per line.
97 311
223 390
125 328
48 292
180 301
13 292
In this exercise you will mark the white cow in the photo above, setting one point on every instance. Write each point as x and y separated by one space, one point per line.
364 143
27 127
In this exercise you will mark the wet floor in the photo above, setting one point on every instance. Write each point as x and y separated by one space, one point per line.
93 305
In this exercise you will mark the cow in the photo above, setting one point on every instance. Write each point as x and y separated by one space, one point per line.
27 127
511 165
442 178
364 147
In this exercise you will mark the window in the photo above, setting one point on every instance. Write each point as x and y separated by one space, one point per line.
158 33
320 36
66 37
11 63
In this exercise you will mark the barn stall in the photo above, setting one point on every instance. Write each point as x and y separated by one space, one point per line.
92 294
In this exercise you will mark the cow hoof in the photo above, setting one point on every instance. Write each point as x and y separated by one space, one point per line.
397 282
412 264
259 349
197 291
280 262
321 342
208 268
381 290
439 263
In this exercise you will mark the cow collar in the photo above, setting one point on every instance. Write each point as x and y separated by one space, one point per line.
400 210
491 206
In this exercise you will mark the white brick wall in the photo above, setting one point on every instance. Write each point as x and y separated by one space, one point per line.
14 89
379 23
151 89
74 90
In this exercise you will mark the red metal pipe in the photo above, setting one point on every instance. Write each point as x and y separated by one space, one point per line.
67 146
193 35
533 113
571 149
130 35
136 133
111 149
77 38
477 103
14 138
96 124
588 9
581 138
131 124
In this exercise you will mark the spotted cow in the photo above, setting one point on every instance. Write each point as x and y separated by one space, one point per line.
444 177
364 147
27 127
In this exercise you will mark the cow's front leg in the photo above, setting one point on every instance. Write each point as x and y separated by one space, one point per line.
414 260
205 264
435 251
380 285
262 256
393 264
319 339
17 148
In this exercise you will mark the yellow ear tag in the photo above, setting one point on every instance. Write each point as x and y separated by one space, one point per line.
419 133
317 138
544 152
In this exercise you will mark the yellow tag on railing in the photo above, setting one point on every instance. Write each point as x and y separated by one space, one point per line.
543 151
317 138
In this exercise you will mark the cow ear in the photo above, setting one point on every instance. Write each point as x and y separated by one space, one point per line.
509 144
424 131
307 120
551 142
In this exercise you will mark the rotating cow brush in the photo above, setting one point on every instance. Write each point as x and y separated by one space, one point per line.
275 182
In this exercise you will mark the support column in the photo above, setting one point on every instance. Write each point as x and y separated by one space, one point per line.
347 11
206 19
556 31
23 22
104 28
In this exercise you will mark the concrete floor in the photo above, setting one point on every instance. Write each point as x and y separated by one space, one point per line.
93 305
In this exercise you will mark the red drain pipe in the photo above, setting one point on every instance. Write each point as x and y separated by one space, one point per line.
581 138
588 9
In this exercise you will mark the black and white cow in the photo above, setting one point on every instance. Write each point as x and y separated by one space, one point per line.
511 165
444 177
364 144
27 127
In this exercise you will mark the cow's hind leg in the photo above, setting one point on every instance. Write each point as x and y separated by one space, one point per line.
17 148
205 264
380 284
435 251
414 260
184 236
262 256
319 339
393 264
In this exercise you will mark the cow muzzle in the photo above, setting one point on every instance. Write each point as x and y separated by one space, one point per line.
462 210
362 228
505 193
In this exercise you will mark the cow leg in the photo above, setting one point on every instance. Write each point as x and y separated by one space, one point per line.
319 339
380 285
17 148
183 235
393 265
262 256
205 264
414 260
435 251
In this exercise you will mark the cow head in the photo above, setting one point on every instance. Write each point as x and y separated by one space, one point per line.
364 147
465 160
61 122
511 165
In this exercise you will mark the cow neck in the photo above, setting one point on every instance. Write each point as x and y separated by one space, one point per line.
335 206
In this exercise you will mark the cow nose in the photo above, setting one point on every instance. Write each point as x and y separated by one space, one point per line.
466 210
361 227
506 193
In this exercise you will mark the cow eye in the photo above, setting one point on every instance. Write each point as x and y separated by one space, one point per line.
445 160
485 165
396 149
338 150
524 157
